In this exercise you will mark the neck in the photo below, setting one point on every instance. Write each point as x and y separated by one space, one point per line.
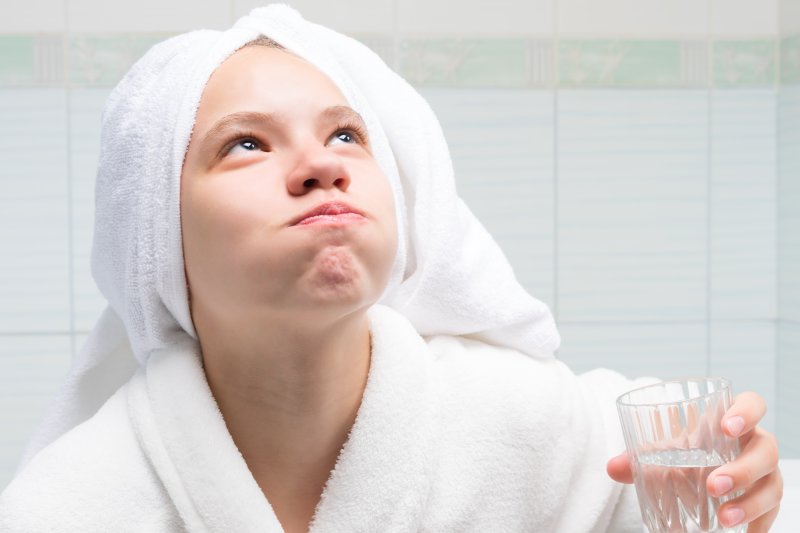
289 395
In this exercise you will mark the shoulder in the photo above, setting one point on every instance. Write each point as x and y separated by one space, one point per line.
500 376
498 398
95 477
508 398
504 377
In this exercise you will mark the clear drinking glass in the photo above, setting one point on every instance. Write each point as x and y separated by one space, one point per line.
674 439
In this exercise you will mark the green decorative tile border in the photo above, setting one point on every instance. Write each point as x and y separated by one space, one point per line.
102 60
790 60
745 63
465 62
31 60
634 64
16 59
95 60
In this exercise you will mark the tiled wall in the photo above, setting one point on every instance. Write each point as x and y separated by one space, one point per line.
636 159
788 341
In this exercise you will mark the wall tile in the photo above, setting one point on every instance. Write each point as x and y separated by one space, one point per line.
649 19
501 143
743 204
102 60
455 62
790 60
175 16
16 60
632 63
473 17
32 16
31 60
632 213
742 18
661 350
34 223
744 353
789 16
746 63
86 106
31 369
789 203
787 370
346 16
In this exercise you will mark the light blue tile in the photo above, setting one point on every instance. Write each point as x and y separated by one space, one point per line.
744 352
501 143
788 371
86 107
632 205
743 205
32 367
34 223
661 350
789 203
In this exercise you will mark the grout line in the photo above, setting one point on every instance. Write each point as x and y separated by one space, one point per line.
67 333
778 151
70 222
709 182
630 322
554 87
70 210
395 38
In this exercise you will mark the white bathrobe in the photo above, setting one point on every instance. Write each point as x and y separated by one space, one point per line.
452 435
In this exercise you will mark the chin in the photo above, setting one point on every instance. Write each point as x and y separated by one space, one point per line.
341 276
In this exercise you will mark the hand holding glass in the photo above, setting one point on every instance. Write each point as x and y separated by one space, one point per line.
674 439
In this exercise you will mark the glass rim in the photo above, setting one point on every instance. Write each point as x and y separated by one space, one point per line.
724 382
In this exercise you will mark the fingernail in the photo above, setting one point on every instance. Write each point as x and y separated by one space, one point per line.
722 485
732 516
735 425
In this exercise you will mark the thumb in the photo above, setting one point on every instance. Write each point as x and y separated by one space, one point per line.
619 469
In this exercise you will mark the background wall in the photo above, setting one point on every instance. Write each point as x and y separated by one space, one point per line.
788 323
636 159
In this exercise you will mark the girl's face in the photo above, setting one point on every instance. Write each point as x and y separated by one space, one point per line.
273 139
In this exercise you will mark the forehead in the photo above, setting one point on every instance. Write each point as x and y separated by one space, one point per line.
266 77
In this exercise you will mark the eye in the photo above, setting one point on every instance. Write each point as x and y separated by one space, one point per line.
344 136
350 134
241 140
248 144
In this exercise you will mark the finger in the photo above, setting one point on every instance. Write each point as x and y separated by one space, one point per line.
763 522
763 497
744 415
619 468
758 458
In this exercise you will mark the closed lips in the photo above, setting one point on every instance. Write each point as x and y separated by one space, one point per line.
328 208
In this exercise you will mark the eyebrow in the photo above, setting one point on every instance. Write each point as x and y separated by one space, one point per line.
256 118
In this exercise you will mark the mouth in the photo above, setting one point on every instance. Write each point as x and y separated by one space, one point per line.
329 213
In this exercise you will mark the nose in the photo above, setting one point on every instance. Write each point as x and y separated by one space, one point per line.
318 166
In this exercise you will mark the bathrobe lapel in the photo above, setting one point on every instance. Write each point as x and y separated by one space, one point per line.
381 478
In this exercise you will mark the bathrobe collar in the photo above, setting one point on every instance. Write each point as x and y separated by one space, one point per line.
381 478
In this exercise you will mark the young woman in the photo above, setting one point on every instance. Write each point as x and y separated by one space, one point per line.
308 330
